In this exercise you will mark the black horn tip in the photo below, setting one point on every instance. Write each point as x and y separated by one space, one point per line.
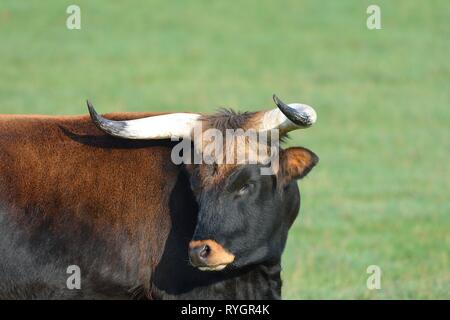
95 117
280 104
291 113
90 106
92 112
275 98
113 128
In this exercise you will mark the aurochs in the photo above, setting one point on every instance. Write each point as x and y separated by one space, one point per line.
136 224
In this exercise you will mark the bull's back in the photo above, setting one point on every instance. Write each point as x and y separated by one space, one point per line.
70 194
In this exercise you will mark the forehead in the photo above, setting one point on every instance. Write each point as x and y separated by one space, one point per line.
239 146
229 141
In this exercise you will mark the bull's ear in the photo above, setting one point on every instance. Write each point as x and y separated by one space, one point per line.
296 162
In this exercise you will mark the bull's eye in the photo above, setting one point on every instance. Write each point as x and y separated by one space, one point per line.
245 189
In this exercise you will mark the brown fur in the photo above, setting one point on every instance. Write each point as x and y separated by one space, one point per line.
113 186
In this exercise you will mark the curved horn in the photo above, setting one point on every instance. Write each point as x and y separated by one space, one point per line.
158 127
288 117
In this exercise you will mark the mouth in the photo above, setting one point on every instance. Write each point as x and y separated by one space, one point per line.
213 268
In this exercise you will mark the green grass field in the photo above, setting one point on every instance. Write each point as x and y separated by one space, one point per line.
380 195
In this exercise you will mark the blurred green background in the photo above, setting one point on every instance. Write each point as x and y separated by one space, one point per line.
380 194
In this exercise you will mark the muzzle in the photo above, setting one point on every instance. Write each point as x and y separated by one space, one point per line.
208 255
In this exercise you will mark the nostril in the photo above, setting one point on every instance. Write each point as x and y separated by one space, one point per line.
204 252
198 255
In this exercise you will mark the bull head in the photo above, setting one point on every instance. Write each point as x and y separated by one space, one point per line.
244 217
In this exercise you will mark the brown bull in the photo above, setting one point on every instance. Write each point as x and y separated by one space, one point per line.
136 224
